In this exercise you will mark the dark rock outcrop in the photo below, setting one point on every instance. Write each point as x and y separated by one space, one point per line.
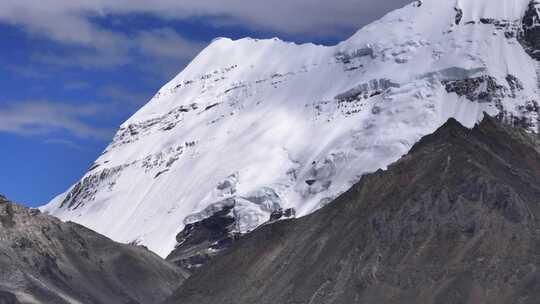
459 15
282 214
8 298
44 260
477 89
200 241
85 190
485 89
530 32
457 220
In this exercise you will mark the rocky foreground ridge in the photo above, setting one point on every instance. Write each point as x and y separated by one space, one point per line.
44 260
457 220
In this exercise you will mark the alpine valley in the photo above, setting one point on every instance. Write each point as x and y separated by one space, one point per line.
257 131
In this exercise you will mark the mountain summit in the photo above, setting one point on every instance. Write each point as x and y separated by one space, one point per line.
254 128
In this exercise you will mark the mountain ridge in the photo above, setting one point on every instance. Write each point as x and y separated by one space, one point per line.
44 260
453 221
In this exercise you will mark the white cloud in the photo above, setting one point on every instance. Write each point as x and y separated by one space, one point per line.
67 19
45 117
166 43
70 22
93 59
64 142
26 71
123 97
76 85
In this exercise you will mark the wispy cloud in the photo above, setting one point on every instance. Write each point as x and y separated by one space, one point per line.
26 71
72 22
46 117
76 85
88 58
166 43
121 96
68 19
64 142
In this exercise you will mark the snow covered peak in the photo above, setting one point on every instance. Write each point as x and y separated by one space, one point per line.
257 126
223 56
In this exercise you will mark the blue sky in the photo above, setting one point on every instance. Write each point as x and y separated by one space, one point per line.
71 71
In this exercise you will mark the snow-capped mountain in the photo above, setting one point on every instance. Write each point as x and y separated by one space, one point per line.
258 126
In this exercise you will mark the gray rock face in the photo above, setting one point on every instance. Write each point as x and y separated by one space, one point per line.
205 239
479 89
530 33
86 189
459 15
200 241
457 220
8 298
485 89
44 260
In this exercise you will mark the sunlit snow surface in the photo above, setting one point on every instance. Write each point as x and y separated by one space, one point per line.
269 124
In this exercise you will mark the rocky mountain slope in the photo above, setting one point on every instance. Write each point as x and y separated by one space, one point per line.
258 127
43 260
457 220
